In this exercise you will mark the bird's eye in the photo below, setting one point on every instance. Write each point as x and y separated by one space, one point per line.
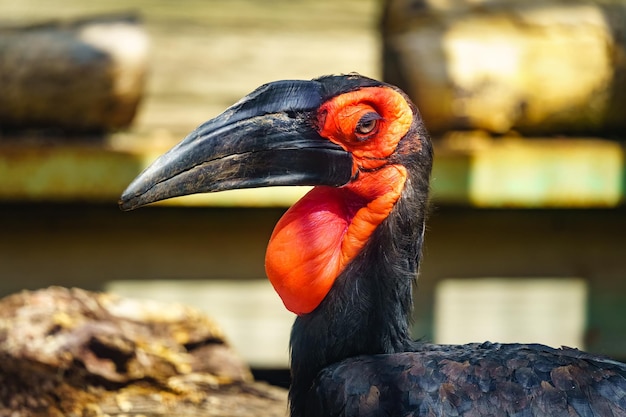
367 125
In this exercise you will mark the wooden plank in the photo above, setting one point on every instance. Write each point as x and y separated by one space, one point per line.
521 173
550 311
450 183
72 173
65 173
548 173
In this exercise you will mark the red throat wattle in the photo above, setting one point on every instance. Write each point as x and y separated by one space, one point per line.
318 236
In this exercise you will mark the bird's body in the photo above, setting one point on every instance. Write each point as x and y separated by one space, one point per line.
345 258
472 380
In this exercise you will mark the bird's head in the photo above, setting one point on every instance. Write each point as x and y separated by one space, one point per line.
352 137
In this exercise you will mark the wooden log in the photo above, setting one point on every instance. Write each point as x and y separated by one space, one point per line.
74 352
72 77
533 66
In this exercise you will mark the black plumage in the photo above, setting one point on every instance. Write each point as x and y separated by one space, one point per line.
472 380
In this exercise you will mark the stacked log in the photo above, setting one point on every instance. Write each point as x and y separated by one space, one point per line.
72 77
537 67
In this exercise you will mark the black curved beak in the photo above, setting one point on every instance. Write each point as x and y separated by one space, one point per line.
266 139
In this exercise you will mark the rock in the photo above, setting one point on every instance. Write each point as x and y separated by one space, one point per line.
74 352
533 66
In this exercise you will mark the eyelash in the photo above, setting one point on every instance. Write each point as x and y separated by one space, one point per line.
367 126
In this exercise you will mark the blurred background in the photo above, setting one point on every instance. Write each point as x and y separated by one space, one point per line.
526 102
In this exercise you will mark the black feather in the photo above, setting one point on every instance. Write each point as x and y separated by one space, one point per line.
564 390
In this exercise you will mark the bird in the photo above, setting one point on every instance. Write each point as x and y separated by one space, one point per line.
345 258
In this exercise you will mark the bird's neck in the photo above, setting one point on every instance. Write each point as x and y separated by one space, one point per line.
367 310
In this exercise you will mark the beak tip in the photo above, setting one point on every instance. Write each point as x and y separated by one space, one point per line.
126 204
129 201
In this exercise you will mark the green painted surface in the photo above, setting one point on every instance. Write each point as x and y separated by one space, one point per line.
450 182
97 174
65 173
574 173
578 173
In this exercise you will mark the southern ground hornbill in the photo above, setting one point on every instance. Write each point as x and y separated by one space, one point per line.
345 257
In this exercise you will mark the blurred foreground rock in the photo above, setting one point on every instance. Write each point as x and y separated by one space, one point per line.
539 67
74 352
72 77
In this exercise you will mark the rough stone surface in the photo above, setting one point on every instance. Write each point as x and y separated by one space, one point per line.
74 352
